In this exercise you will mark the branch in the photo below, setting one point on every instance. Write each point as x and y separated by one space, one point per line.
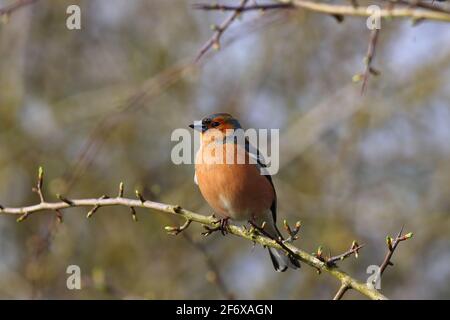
189 216
253 7
342 290
361 11
405 9
368 59
392 245
354 250
420 4
214 41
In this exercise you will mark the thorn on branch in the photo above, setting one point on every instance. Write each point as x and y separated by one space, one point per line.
65 200
139 196
339 18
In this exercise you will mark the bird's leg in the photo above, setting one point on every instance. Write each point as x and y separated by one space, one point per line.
222 227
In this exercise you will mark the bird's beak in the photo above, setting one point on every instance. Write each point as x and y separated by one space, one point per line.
198 126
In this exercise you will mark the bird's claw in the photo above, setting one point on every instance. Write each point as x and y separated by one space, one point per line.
222 227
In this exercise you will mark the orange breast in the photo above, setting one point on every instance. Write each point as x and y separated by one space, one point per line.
237 191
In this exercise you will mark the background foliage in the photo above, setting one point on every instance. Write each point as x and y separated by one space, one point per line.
353 167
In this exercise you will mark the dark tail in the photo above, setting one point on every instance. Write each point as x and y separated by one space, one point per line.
281 261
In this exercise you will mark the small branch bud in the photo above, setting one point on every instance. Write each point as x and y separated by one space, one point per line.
170 229
139 196
133 214
40 177
92 211
22 217
319 253
357 77
407 236
120 195
389 242
216 45
287 227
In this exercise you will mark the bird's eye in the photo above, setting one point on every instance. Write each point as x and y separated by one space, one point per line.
215 124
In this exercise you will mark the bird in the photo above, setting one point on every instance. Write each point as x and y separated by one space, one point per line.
236 190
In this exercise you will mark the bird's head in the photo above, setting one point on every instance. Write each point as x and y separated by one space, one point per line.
217 121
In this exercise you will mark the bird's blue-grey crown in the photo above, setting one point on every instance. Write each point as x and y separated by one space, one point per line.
214 120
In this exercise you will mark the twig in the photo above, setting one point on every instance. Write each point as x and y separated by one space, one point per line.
392 245
342 290
253 7
293 233
361 11
354 249
369 70
214 41
420 4
210 221
331 261
38 188
178 230
96 207
407 9
279 241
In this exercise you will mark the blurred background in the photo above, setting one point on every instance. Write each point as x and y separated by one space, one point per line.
97 106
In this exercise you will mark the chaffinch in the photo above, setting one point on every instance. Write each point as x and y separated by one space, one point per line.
237 190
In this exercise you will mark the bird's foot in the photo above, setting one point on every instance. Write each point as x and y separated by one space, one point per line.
222 227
